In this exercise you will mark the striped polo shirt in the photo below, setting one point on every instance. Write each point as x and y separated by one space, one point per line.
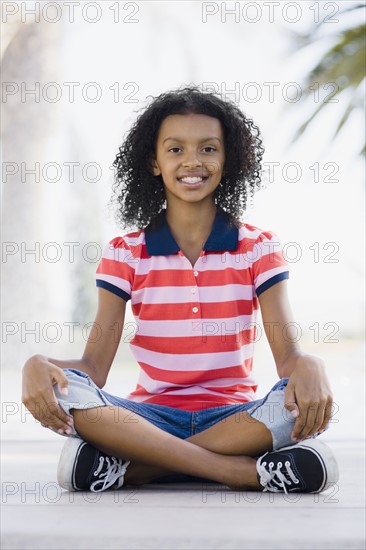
195 325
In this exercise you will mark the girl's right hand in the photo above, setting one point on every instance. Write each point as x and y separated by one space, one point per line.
39 376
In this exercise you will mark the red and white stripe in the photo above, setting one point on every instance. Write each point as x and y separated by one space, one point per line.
192 359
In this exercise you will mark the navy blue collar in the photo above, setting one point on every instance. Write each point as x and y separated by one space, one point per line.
160 241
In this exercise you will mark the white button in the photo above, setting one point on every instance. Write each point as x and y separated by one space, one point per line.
194 309
195 273
193 290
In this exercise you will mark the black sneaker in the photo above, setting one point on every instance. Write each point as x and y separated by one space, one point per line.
307 467
82 467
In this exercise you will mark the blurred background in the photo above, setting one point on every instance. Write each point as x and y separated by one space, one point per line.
74 79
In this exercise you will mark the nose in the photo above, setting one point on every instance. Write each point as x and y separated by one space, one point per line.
190 160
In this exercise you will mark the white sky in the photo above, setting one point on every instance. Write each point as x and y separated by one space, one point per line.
170 45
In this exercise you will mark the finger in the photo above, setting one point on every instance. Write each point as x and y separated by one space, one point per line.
327 415
300 423
293 409
320 418
52 414
310 426
62 414
59 427
60 379
290 402
60 419
60 431
40 410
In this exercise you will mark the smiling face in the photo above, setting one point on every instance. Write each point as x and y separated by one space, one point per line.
190 156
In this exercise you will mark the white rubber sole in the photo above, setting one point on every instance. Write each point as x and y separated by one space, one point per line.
326 458
68 457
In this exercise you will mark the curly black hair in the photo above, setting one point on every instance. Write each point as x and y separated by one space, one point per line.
139 196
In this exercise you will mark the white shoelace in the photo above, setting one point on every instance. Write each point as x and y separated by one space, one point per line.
275 480
115 470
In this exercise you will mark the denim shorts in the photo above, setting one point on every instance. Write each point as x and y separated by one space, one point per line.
84 394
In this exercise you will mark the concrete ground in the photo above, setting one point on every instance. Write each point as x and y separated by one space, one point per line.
37 514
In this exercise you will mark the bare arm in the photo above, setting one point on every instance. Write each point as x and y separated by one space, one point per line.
308 394
40 373
280 327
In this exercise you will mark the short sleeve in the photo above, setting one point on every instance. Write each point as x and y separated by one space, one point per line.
268 263
115 271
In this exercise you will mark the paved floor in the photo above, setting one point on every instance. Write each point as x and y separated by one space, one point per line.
36 513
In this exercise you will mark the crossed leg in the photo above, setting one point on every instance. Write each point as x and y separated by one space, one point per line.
222 453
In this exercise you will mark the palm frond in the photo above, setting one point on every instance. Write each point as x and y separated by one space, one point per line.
345 58
354 103
342 66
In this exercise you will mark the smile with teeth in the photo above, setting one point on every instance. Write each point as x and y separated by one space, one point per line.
192 180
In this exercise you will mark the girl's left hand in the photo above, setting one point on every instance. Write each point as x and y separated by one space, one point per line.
308 397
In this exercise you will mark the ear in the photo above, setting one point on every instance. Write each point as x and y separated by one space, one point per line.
155 168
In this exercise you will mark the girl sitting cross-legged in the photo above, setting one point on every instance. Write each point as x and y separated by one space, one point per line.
195 276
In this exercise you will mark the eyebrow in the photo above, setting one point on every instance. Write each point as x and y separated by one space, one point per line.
202 140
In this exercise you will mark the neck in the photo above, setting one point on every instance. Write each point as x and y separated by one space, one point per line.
191 221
